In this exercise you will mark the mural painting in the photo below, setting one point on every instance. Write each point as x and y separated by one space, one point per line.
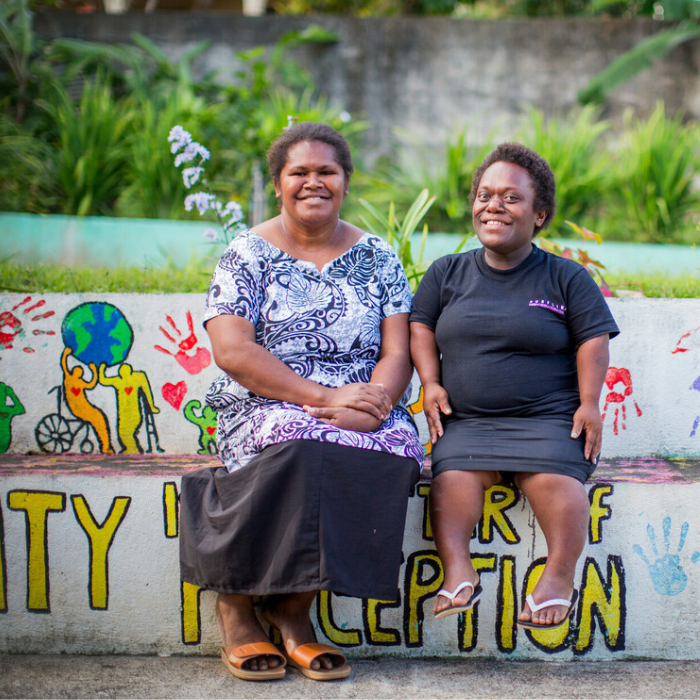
22 320
108 377
103 401
10 406
667 574
403 622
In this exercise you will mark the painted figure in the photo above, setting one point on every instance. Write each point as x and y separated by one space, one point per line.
206 422
7 412
133 393
75 388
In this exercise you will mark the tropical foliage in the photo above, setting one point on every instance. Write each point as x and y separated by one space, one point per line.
83 130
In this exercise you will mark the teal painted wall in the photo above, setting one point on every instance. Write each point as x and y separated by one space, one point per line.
107 242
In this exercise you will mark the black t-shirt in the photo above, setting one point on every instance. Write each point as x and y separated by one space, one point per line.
508 338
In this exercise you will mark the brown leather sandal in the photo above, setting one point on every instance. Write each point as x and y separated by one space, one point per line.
235 659
304 654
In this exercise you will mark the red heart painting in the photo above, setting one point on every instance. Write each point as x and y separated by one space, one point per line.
174 393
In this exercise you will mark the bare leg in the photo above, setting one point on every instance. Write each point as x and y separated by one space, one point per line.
290 614
456 504
239 625
561 507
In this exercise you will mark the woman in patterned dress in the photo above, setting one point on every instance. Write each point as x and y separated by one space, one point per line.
308 319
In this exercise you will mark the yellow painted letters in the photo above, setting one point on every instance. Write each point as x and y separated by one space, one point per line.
100 538
36 506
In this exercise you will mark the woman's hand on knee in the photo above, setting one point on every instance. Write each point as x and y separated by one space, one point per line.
435 403
587 420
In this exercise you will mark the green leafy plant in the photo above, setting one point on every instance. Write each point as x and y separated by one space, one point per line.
573 147
400 232
91 151
417 167
655 197
646 52
152 187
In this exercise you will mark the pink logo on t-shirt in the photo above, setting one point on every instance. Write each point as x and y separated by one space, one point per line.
545 304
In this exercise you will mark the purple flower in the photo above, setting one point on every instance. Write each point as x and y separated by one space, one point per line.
191 151
191 175
202 200
179 138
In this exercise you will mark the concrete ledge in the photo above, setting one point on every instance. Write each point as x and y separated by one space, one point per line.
90 565
88 542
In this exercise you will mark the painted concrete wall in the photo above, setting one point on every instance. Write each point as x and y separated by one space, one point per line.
91 567
425 74
89 543
146 366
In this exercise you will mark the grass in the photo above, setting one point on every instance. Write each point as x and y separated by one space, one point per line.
194 278
658 286
48 278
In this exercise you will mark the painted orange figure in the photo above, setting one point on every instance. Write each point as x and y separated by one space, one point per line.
130 387
74 388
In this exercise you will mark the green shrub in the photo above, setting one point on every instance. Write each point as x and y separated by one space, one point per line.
574 148
91 153
417 167
654 198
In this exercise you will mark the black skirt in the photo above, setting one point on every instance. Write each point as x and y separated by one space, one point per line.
509 445
301 516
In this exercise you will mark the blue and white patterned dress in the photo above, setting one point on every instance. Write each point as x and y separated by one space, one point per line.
324 325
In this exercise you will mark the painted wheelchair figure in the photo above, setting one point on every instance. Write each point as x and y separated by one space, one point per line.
55 433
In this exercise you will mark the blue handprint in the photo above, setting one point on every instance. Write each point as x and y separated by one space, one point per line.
666 573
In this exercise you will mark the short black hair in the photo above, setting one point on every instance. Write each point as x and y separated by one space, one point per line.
278 152
541 176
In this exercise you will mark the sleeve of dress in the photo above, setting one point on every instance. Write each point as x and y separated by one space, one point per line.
588 314
396 291
426 302
236 286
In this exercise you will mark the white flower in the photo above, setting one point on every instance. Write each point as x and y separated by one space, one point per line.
234 210
179 138
209 235
202 200
192 150
191 175
345 117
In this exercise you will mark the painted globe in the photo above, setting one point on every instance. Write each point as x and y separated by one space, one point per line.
97 332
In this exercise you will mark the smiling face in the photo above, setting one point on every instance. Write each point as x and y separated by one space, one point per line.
312 184
504 216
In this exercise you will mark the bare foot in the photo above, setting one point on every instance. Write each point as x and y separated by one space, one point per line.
289 613
452 581
548 588
238 625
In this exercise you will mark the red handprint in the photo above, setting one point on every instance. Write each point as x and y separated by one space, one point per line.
12 328
9 322
614 376
193 363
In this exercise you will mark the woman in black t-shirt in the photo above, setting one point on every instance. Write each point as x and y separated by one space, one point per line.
511 345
